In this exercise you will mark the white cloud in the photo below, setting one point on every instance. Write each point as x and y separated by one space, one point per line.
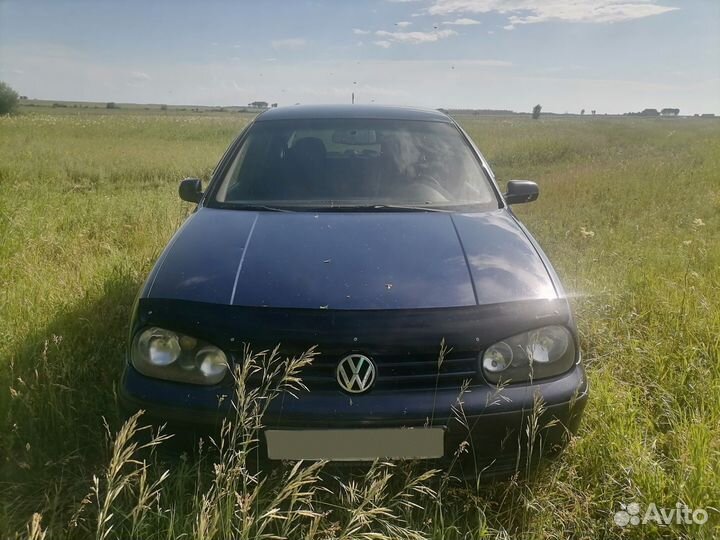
138 79
413 38
485 63
139 76
383 43
537 11
462 22
289 43
403 24
360 31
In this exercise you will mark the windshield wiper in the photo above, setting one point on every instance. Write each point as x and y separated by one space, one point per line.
402 207
339 207
262 207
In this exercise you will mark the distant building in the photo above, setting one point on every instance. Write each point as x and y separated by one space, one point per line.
258 104
707 115
670 112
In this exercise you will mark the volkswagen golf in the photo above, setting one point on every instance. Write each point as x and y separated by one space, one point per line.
375 234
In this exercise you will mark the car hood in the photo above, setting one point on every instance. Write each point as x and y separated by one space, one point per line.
350 260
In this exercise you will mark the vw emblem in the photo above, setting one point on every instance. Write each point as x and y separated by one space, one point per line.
355 373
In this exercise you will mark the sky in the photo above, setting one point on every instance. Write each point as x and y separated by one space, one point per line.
612 56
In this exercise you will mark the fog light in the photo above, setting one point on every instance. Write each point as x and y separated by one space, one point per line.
162 346
497 358
212 362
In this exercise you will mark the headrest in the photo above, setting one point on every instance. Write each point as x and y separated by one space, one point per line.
309 148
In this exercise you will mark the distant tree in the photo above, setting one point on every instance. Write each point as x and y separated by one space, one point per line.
111 105
649 112
8 99
582 111
536 111
670 112
593 112
274 105
163 107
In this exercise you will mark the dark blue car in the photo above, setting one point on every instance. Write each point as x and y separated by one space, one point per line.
374 233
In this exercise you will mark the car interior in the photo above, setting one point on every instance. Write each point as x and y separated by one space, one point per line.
349 165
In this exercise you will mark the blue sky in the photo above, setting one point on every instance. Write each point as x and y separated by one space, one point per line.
610 55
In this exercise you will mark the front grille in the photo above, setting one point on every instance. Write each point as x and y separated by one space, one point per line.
397 371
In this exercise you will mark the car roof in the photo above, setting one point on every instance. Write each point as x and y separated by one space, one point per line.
307 112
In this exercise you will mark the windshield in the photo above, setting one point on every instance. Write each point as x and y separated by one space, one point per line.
354 163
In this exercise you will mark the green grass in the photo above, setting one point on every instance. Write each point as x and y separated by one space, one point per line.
629 213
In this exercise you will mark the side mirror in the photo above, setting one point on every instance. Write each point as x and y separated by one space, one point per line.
191 190
521 191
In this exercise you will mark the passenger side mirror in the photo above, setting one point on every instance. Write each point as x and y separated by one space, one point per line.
521 191
191 190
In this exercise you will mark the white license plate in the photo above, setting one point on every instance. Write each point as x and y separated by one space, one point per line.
355 444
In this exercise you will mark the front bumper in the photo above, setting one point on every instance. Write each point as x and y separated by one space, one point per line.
500 429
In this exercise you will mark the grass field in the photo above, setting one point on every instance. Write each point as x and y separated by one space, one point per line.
629 213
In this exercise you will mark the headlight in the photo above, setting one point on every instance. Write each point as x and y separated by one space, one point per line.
168 355
537 354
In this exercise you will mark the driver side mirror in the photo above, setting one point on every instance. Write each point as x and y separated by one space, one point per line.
521 191
191 190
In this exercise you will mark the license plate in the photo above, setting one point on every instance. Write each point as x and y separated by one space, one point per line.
355 444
